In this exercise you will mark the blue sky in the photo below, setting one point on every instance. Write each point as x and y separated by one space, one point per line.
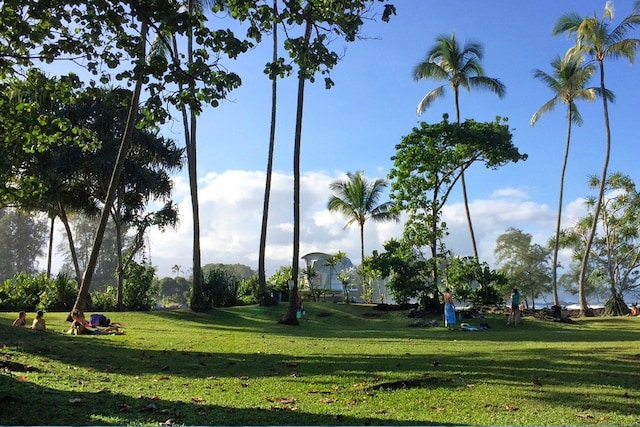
355 126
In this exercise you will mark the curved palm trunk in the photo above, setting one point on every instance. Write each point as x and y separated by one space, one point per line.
83 294
556 244
262 279
584 309
463 183
290 317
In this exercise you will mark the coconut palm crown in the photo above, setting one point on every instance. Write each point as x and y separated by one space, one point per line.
358 199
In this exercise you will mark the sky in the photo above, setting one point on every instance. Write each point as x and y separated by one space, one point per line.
356 124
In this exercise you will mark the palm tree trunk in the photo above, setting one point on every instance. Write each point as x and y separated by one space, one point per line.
463 183
290 317
584 309
83 293
262 279
556 243
198 302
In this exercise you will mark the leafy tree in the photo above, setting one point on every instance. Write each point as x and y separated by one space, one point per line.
408 274
358 199
568 84
427 164
23 240
524 263
615 252
596 39
146 169
461 67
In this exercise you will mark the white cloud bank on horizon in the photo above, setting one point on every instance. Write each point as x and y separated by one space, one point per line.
231 215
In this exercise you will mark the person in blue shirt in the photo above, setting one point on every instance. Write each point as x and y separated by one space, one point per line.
514 315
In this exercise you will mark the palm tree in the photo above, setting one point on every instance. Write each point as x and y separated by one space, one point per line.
567 82
357 198
262 279
461 68
596 39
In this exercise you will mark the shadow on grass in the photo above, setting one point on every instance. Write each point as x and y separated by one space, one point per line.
522 367
23 403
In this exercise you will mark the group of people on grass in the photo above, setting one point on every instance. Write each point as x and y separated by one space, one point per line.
38 324
79 325
450 309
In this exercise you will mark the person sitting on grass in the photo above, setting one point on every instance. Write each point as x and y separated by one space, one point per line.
38 323
21 320
79 326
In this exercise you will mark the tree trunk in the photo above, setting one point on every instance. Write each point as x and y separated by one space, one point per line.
263 292
463 183
556 243
290 316
72 246
83 293
584 309
50 253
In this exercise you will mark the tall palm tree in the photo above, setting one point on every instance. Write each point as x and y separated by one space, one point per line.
460 66
262 279
596 39
357 198
567 82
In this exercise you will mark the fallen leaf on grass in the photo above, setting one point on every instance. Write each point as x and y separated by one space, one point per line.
327 400
584 415
284 400
149 408
168 422
197 399
164 378
352 402
511 408
22 378
381 411
284 408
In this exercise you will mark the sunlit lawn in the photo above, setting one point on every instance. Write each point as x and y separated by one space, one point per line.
342 365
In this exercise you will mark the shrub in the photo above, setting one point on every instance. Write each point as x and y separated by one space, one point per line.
249 290
106 300
221 288
486 295
22 292
138 289
59 294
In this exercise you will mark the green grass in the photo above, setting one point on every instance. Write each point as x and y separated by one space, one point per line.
354 366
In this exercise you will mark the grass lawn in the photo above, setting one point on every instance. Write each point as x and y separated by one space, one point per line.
344 365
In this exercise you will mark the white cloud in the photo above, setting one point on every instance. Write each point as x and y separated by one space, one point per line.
231 216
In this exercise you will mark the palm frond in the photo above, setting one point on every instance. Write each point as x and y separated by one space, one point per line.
428 99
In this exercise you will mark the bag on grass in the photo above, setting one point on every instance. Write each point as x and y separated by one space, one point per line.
99 320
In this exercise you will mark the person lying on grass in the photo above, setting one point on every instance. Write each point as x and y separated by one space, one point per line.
79 326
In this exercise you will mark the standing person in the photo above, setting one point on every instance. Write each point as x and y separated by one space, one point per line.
21 320
449 309
38 323
514 315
